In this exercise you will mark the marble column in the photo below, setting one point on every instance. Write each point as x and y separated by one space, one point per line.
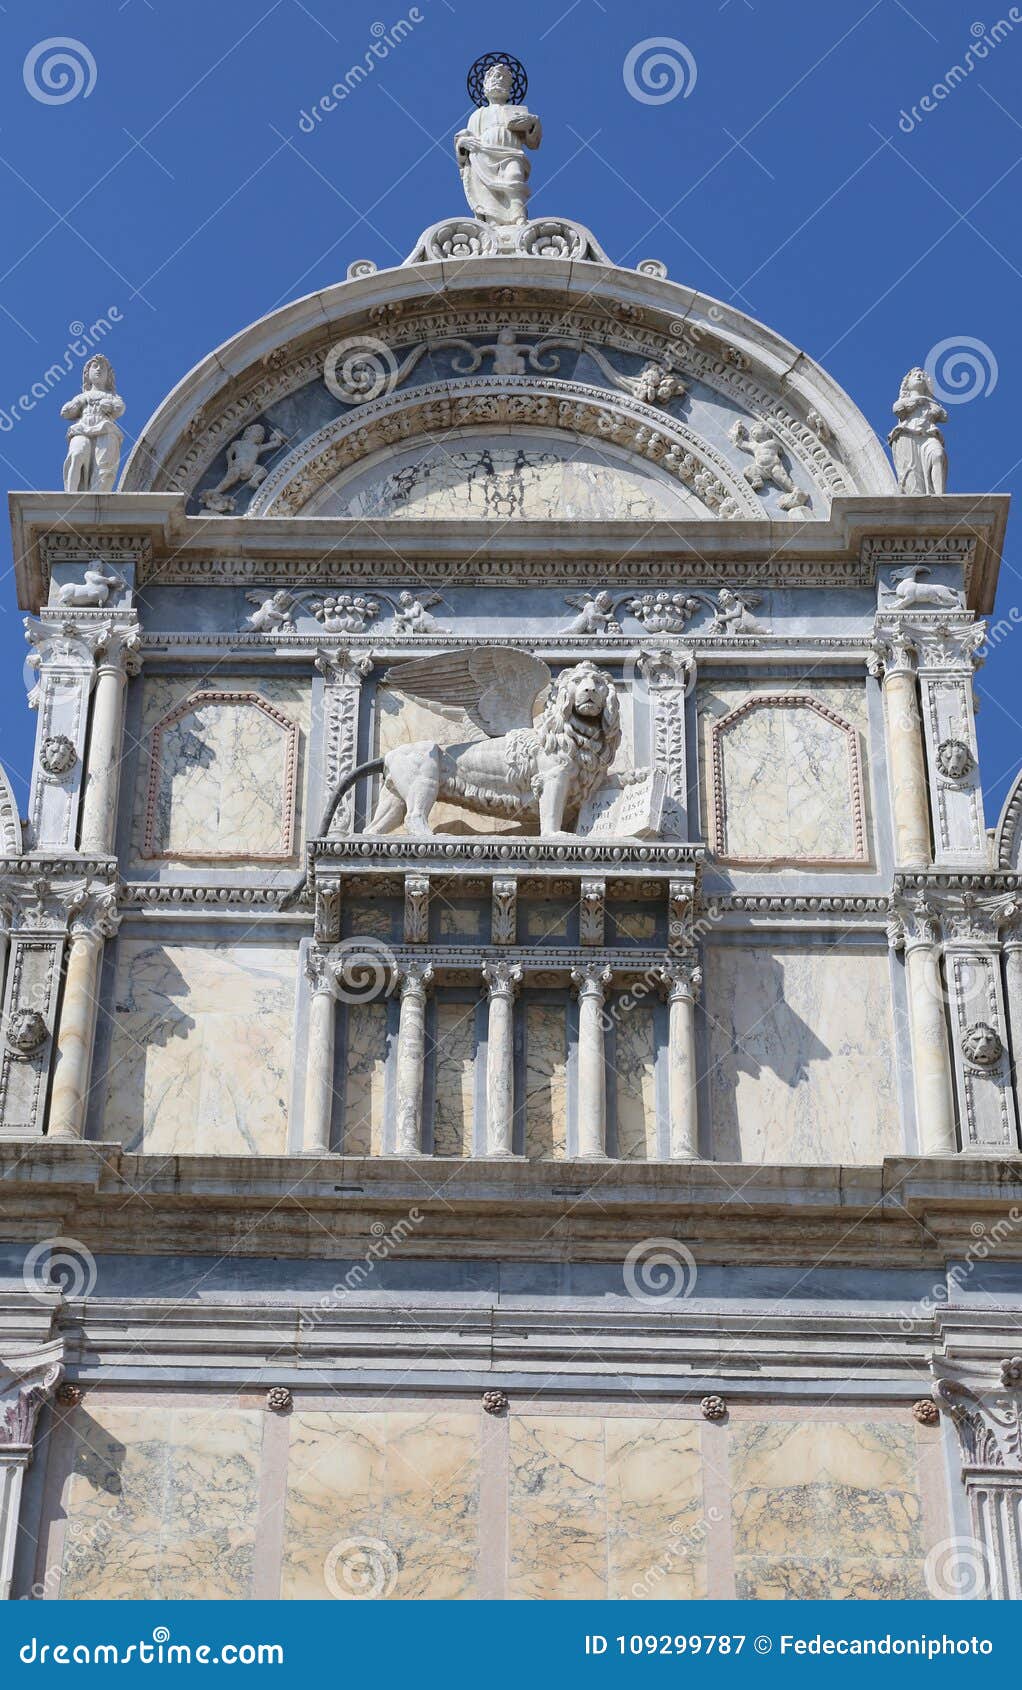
916 931
894 658
591 982
19 1411
502 981
1013 995
115 660
987 1417
93 917
414 987
319 1060
680 980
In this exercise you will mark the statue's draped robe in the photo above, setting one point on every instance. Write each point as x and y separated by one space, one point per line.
494 166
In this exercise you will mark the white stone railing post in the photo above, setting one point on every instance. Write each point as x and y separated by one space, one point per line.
414 983
19 1411
680 981
894 659
915 930
319 1060
117 657
502 981
591 982
94 917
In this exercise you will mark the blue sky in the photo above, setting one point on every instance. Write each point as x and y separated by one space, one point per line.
182 191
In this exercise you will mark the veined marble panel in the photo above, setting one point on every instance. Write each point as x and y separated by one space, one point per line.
604 1508
823 1510
635 1082
369 918
365 1073
801 1055
783 771
454 1112
200 1056
405 1483
161 1502
546 1080
222 785
545 919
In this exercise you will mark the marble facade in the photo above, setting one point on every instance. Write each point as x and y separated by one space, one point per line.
603 1178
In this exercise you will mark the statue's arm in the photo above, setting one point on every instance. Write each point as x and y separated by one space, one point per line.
532 133
73 408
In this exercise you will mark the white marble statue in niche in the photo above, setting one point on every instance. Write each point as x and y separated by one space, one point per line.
491 152
916 442
94 439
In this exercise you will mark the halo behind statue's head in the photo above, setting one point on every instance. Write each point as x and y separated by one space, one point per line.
484 66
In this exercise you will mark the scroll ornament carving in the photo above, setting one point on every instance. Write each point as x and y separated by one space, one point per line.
20 1410
768 467
504 912
989 1425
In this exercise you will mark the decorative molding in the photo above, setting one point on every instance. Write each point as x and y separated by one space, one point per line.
416 919
504 911
288 793
592 909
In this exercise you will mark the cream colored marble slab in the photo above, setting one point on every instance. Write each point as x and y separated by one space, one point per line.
634 1082
161 1502
220 788
365 1074
406 1484
801 1055
603 1507
546 1080
454 1113
826 1509
201 1052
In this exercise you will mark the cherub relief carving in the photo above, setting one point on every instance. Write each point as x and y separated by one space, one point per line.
271 614
768 467
243 465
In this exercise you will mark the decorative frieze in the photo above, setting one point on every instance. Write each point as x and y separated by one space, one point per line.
416 921
504 910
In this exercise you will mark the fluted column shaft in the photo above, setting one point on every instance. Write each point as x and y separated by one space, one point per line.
591 983
319 1071
75 1036
681 979
1013 997
502 982
411 1056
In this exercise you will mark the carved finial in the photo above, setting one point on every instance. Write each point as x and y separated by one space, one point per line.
491 151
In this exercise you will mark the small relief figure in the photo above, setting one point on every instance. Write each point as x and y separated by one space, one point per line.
344 614
412 615
271 614
94 590
917 445
94 439
595 614
508 358
733 614
907 592
243 465
768 468
664 613
491 152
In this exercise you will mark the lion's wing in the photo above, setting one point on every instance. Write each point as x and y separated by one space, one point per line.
496 688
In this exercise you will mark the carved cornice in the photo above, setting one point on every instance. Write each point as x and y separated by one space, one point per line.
368 854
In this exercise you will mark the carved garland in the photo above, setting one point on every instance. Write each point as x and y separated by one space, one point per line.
787 701
289 785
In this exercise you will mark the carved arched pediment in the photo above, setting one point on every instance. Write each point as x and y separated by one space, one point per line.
10 822
1008 834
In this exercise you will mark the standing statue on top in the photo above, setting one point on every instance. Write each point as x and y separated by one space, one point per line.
94 439
917 445
491 152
